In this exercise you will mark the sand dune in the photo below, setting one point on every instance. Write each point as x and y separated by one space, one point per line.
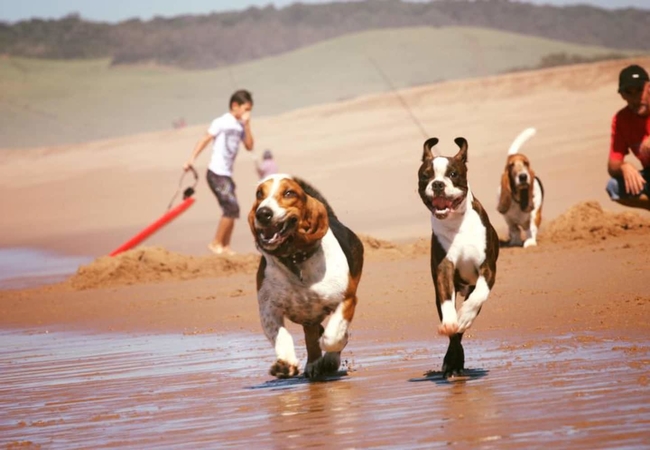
362 154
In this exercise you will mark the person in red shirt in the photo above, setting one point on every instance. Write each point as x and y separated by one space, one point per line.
631 132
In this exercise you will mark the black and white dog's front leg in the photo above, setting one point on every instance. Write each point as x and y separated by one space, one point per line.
479 294
443 280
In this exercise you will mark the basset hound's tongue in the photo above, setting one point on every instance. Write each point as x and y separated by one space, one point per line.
269 232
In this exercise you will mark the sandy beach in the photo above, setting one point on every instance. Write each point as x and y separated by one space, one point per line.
161 347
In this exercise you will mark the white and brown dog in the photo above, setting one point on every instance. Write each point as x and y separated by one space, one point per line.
521 195
310 268
464 246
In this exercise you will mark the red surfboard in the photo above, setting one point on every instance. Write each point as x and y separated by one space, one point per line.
170 215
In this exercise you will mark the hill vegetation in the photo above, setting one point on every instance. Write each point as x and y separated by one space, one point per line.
217 40
47 102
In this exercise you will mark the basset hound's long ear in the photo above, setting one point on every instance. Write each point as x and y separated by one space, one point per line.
251 215
427 153
461 142
505 199
314 222
530 206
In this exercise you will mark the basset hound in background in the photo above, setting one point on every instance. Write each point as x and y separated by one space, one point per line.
310 268
521 195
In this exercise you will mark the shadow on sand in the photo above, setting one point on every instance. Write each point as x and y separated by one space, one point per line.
507 244
436 376
286 383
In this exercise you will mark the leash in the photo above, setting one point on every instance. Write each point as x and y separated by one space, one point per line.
189 191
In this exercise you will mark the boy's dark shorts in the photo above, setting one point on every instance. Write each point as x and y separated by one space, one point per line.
616 186
224 188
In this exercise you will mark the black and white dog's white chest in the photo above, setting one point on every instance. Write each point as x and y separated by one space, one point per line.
464 242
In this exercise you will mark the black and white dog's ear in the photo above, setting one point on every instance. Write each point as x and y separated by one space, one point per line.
427 154
462 153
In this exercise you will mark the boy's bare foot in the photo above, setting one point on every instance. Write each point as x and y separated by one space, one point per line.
228 251
220 250
215 248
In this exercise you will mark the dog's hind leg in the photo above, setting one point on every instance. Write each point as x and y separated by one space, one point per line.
454 362
335 337
318 365
333 340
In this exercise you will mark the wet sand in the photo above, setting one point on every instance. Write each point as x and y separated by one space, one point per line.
551 360
164 391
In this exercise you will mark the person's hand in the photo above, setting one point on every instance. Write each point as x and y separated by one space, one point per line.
188 165
245 117
634 182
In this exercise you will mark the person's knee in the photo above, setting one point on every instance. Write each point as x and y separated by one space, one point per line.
613 189
231 210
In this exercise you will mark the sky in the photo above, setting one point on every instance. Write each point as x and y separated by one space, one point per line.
118 10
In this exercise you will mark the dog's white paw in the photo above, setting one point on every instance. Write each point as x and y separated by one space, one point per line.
333 343
530 243
466 317
448 328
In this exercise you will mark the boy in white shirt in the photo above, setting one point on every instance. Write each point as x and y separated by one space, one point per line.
227 132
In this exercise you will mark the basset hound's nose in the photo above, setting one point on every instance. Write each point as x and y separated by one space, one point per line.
264 215
438 186
523 177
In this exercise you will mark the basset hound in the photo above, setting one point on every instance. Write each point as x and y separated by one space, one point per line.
521 195
310 269
464 247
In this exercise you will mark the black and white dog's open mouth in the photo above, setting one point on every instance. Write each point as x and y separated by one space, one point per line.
276 233
441 206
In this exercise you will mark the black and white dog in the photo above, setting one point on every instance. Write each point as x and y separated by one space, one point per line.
464 246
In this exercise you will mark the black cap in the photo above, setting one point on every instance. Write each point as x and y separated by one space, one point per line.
632 76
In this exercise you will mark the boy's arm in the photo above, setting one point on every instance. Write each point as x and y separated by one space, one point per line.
198 148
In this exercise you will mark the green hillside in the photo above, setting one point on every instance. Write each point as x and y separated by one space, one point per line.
55 102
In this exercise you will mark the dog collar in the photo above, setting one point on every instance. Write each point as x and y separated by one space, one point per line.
294 260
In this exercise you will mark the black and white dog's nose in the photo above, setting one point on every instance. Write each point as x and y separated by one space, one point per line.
264 215
438 186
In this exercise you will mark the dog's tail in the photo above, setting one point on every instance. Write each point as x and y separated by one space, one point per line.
520 140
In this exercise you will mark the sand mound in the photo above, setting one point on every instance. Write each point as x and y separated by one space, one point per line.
153 264
378 249
588 221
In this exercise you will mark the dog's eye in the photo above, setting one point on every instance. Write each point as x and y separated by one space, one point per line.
453 174
259 195
289 194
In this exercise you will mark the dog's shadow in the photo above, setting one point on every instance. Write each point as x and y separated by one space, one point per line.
286 383
436 376
507 244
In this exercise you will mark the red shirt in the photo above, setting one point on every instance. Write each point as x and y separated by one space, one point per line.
628 131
